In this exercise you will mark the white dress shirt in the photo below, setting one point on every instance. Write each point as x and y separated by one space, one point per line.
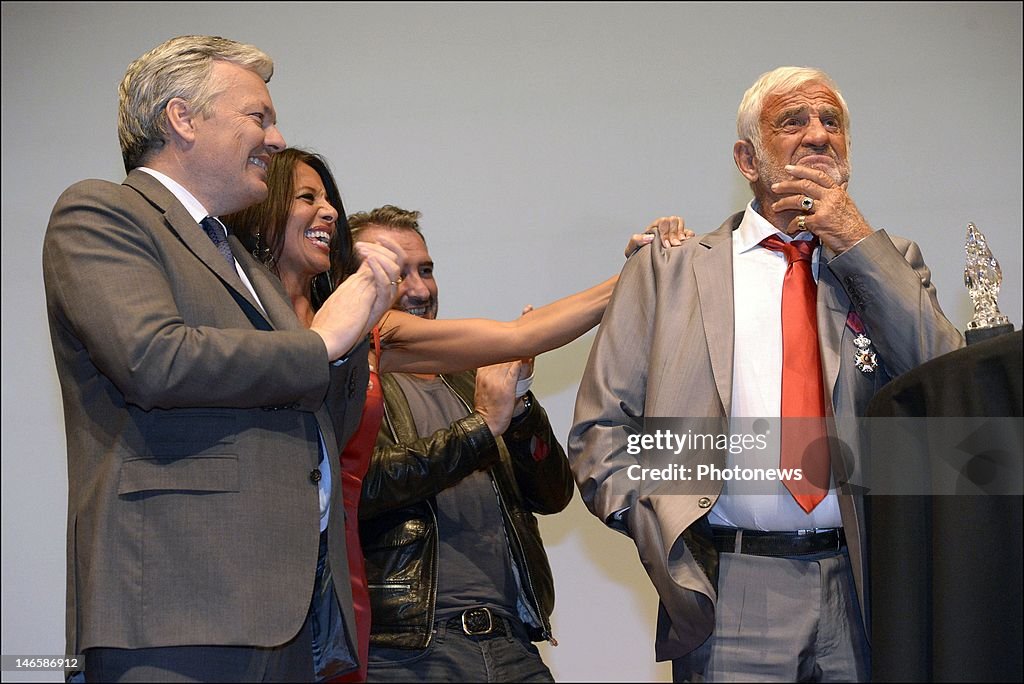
757 384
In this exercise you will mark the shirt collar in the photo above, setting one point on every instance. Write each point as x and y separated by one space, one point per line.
754 228
188 200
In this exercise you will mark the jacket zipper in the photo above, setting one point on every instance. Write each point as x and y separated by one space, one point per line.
518 545
437 551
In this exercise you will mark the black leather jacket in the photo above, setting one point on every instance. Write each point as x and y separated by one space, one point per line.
398 524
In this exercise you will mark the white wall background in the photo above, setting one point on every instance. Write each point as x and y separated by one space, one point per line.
534 137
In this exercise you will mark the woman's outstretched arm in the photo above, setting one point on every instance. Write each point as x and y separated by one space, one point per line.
419 345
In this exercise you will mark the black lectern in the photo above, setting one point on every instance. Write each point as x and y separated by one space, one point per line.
946 570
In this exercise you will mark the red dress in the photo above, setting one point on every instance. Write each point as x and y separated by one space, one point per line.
355 461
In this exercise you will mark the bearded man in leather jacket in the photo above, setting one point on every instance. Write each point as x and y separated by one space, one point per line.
459 582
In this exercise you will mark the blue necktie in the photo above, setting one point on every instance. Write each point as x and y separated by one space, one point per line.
216 232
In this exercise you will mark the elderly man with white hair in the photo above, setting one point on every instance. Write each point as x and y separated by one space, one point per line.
772 329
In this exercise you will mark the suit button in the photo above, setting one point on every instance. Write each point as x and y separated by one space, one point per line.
351 386
314 476
704 502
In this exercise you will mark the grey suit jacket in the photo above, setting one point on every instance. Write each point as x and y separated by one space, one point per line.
665 349
192 423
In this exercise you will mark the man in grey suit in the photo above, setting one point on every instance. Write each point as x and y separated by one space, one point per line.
756 583
205 530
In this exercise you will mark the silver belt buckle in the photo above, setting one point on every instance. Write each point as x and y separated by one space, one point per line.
831 531
479 632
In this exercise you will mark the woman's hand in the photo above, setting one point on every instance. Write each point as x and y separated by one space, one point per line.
671 229
357 304
385 260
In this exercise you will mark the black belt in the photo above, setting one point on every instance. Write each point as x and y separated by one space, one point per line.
758 543
479 622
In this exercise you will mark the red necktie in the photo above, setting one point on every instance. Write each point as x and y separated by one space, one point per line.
804 443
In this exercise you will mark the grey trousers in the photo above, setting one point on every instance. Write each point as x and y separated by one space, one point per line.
782 619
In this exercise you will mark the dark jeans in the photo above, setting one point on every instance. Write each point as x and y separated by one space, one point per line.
290 662
453 656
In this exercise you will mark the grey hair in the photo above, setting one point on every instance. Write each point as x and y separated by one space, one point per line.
180 67
781 80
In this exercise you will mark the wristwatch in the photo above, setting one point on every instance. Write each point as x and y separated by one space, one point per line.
527 401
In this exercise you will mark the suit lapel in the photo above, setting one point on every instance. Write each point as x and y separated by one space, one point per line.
833 306
713 272
277 309
276 306
180 222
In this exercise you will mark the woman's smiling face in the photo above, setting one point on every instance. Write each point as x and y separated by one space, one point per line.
311 225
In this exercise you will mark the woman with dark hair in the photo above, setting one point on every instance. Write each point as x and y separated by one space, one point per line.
301 233
263 227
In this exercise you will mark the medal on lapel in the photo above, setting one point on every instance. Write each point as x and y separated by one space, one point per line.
864 358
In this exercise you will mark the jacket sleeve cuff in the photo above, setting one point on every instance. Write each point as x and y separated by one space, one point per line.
475 431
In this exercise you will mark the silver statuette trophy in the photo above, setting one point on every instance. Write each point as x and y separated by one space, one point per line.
982 277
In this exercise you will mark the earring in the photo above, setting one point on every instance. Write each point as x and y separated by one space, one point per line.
262 254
